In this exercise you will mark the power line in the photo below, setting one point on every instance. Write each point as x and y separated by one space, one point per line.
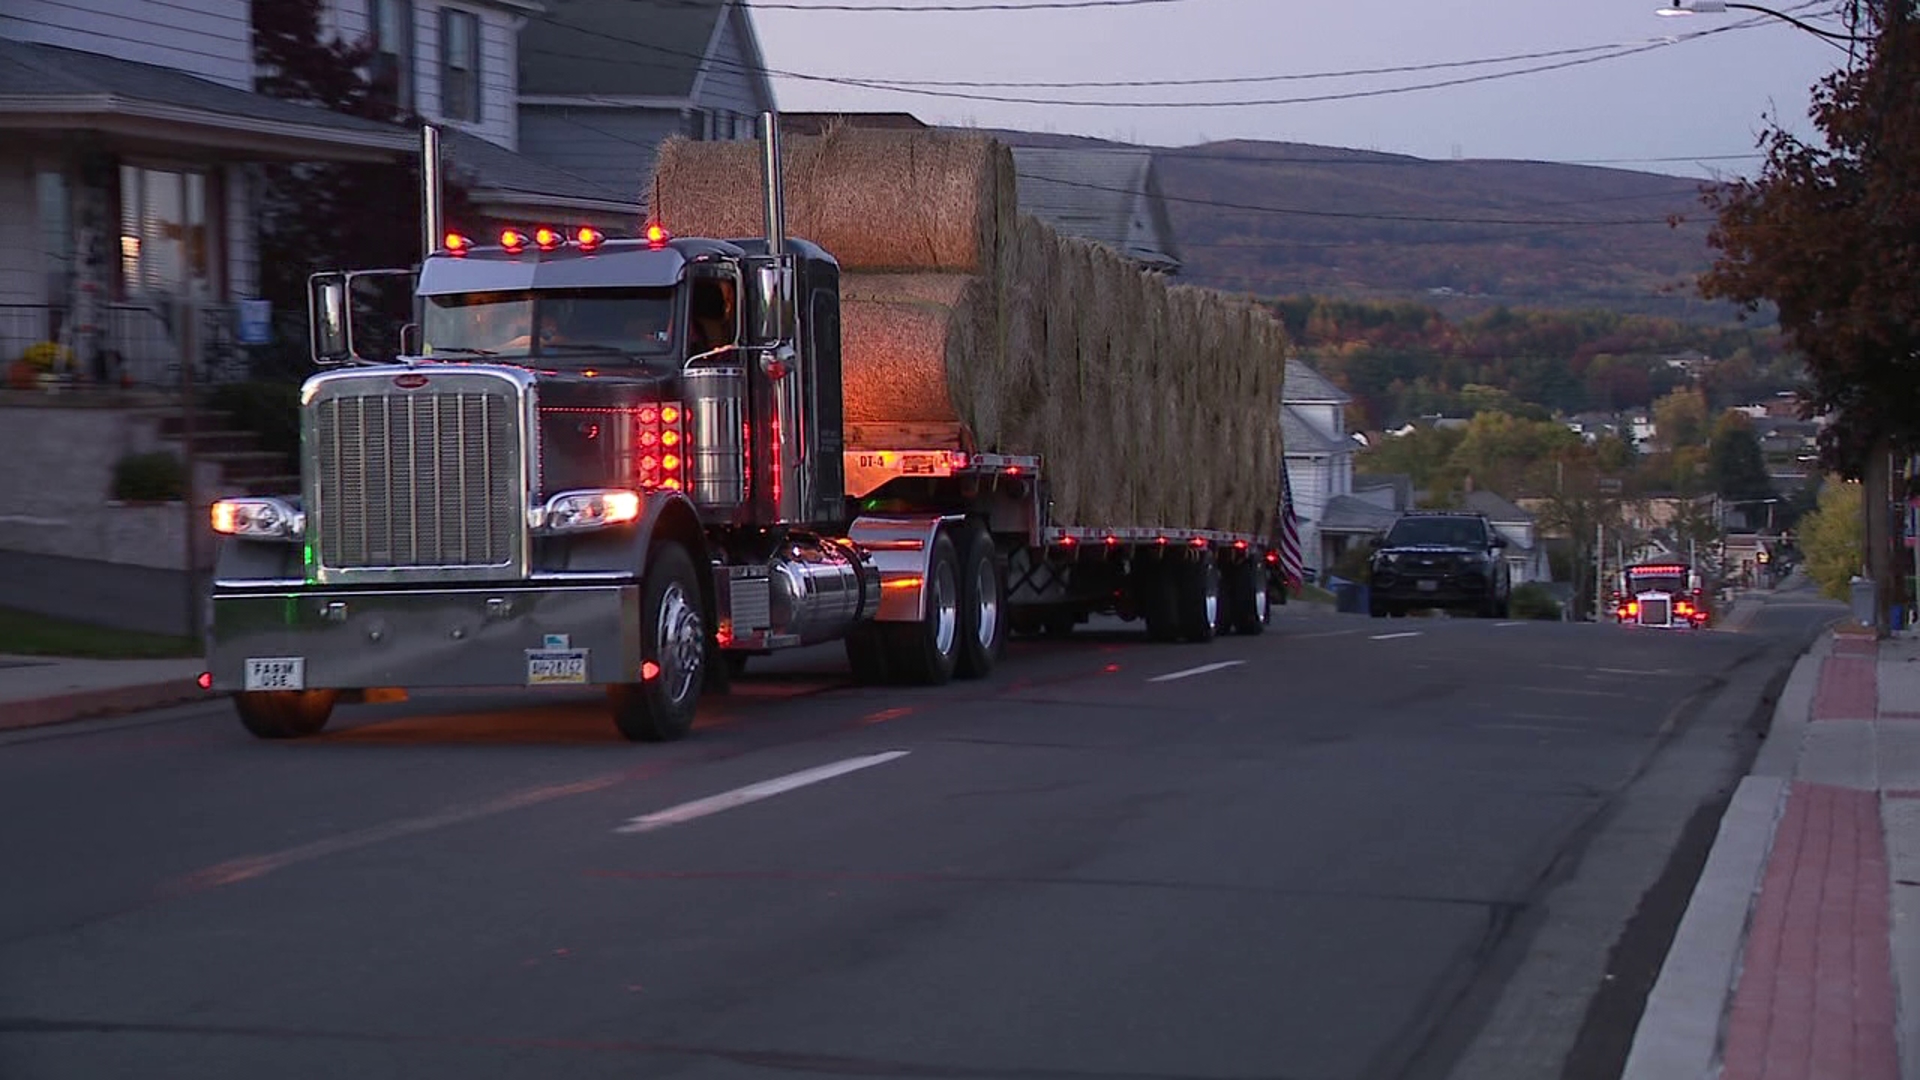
986 5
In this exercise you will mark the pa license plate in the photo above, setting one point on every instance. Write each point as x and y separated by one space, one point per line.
276 673
556 667
1429 586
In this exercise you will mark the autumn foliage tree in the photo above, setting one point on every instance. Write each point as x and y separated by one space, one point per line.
329 215
1830 235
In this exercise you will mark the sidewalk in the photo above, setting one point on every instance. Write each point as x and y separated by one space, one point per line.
1802 936
40 690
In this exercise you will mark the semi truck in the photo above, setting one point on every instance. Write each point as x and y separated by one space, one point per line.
1670 594
622 463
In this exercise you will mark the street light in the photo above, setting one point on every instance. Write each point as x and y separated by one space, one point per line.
1720 7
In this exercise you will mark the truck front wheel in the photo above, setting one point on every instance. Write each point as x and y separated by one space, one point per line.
284 714
673 652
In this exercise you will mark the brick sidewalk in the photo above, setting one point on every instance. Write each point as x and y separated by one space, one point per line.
1816 996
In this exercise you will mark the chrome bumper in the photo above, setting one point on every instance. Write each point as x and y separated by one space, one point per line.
580 635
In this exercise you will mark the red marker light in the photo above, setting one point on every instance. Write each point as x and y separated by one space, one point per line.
205 681
649 671
513 240
547 239
1113 541
456 244
657 235
588 237
670 414
1199 541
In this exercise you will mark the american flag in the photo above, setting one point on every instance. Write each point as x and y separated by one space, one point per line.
1287 531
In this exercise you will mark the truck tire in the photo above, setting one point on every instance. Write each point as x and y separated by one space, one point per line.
925 653
983 604
284 714
1197 594
1248 606
673 646
1158 599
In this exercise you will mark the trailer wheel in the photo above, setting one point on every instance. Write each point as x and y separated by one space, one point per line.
1158 599
1197 594
673 653
983 604
925 653
284 714
1249 608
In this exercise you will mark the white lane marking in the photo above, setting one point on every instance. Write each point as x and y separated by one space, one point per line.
1499 624
1568 690
1203 669
1390 637
766 789
1329 633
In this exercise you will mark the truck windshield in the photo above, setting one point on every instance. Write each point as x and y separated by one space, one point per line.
1666 583
1450 532
562 328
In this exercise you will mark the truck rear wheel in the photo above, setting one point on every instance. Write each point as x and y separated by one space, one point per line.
1197 594
284 714
1247 604
983 604
673 653
925 653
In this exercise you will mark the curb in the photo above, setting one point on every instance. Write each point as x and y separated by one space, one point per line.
92 704
1679 1036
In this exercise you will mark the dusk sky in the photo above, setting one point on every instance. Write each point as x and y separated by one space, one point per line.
1695 99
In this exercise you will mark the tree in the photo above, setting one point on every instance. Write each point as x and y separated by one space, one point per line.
1500 451
1831 537
1579 501
1680 418
1830 235
1735 466
321 216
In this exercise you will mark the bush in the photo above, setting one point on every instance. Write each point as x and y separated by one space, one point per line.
47 355
1533 601
153 477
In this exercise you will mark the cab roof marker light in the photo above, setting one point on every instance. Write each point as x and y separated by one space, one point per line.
513 241
588 237
657 235
547 239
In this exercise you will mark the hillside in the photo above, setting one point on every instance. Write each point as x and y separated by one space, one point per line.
1466 236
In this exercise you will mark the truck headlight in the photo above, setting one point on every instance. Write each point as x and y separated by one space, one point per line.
582 511
258 519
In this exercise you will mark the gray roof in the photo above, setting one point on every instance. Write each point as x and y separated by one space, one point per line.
96 83
617 48
1305 385
494 171
1302 436
1497 508
1109 196
1344 513
1401 483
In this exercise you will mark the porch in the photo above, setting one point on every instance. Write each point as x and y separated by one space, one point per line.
138 345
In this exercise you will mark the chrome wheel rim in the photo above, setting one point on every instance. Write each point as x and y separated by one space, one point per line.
1262 603
986 585
945 608
1212 578
681 642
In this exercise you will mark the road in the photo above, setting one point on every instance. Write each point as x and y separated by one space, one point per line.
1327 852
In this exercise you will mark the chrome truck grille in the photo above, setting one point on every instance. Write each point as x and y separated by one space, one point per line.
1655 611
417 476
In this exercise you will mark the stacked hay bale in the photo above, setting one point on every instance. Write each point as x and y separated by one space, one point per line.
1151 404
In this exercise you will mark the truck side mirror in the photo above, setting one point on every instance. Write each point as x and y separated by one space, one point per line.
410 340
328 319
769 309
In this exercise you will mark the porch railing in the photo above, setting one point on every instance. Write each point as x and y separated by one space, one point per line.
138 346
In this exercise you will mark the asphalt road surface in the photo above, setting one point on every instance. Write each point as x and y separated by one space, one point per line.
1321 853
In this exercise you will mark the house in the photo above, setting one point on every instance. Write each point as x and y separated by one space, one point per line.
1110 195
1640 429
1526 556
604 82
1319 463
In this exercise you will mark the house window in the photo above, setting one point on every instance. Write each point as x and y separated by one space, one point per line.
459 65
165 245
390 30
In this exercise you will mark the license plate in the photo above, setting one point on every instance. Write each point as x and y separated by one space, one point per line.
276 673
556 667
1429 586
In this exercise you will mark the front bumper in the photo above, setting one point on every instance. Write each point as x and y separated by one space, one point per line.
355 639
1436 589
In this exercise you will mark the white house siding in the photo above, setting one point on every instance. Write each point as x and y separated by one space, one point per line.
21 321
499 69
1307 480
725 87
209 38
612 147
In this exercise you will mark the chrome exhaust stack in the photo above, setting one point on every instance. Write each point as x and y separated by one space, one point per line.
432 194
776 184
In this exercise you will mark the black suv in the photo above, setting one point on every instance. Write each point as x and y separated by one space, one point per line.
1440 559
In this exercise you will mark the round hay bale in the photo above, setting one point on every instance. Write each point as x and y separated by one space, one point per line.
1019 379
1101 397
907 345
877 200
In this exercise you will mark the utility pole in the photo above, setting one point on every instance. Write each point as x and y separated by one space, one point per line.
1599 568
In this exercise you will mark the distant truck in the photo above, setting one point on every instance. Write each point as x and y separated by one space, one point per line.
566 487
1668 594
